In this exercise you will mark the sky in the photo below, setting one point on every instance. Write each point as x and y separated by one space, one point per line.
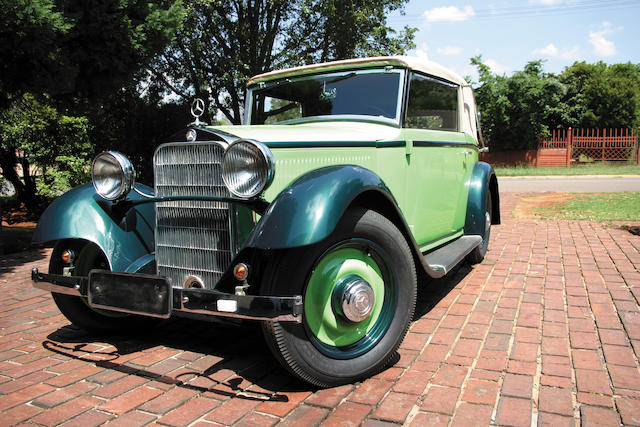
508 34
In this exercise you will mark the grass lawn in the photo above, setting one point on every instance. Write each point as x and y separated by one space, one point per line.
596 168
598 207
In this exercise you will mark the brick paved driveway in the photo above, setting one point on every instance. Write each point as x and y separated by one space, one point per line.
545 331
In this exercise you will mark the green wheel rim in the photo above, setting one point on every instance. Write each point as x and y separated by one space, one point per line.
330 331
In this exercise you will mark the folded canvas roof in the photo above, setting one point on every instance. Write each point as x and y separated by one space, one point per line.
414 63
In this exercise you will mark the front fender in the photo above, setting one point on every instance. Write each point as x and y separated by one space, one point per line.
309 209
82 214
483 179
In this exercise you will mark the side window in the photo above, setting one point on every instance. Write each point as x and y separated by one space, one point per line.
433 104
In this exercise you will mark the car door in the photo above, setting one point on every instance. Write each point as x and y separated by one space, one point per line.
438 158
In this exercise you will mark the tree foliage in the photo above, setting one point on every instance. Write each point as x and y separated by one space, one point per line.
52 149
339 29
30 31
75 57
81 76
519 109
112 41
135 125
79 48
221 44
605 96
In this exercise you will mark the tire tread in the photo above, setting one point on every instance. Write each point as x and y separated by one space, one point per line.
277 337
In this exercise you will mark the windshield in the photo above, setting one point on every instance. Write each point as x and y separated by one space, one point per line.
373 93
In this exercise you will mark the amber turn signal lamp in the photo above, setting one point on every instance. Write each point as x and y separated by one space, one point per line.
241 271
68 256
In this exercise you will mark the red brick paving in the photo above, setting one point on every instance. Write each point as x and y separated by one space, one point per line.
545 331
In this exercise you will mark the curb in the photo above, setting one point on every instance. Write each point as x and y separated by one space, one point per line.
567 176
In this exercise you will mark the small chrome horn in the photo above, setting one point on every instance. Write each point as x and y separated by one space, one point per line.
193 282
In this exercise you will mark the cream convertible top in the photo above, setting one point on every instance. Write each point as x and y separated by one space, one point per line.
467 117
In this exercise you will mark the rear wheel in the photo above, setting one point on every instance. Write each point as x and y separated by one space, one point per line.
359 292
77 309
477 255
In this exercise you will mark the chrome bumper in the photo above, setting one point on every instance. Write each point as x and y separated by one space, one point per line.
191 300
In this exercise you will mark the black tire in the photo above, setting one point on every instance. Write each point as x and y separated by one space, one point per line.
476 256
76 309
298 348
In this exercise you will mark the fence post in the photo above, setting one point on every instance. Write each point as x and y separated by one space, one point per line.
638 145
1 236
604 138
569 138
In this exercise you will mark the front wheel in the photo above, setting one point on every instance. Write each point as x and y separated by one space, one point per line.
359 293
77 309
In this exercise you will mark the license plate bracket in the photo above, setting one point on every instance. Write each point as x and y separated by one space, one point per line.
130 293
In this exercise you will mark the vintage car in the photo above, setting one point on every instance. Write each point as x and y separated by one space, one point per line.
348 181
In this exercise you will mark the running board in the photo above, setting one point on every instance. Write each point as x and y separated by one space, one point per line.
444 259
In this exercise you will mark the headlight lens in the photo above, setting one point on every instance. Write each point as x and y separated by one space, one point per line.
113 175
247 168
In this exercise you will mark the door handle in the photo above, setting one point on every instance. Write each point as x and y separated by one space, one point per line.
465 153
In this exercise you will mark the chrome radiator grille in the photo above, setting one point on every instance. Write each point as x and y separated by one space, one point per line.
193 238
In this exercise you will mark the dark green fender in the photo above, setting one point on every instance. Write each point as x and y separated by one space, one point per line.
310 208
483 179
82 214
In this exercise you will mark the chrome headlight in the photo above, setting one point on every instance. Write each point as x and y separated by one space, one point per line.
113 175
247 168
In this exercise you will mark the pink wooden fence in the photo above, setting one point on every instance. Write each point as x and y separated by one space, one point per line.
586 145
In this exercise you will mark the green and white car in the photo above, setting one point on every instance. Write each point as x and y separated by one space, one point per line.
347 182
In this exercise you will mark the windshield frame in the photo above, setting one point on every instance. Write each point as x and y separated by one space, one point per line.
402 72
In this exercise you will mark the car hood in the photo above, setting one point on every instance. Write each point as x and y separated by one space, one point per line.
333 131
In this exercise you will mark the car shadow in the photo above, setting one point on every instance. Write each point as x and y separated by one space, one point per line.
432 291
13 261
223 359
228 356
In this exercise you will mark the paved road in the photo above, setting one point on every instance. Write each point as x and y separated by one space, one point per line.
577 184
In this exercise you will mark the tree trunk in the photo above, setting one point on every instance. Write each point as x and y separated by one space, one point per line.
24 193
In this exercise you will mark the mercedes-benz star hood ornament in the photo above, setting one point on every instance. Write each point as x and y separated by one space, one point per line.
197 110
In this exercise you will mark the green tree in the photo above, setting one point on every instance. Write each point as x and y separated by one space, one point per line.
112 41
519 109
42 152
135 123
31 32
603 96
221 44
340 29
79 48
76 57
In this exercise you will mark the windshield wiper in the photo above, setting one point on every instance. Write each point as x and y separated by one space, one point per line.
345 77
268 85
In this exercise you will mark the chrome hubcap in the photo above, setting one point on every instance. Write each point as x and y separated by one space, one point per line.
357 300
487 221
